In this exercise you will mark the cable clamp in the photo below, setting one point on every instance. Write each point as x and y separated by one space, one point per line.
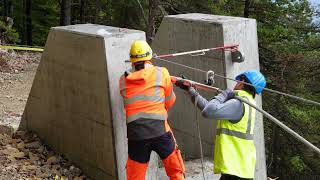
209 78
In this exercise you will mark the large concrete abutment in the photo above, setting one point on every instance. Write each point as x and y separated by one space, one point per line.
186 32
74 104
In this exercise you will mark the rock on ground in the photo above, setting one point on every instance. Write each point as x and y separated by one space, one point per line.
23 156
9 124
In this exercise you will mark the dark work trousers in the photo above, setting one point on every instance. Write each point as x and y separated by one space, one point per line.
231 177
140 150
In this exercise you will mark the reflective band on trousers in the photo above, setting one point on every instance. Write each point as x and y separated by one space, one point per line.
147 116
238 134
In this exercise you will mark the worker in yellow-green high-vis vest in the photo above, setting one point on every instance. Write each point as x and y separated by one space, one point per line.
234 153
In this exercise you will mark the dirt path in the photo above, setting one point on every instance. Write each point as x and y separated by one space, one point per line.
14 91
16 75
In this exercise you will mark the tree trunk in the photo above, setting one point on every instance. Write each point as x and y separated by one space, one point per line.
246 11
23 35
10 8
28 11
151 31
98 9
142 12
124 13
65 13
82 10
5 8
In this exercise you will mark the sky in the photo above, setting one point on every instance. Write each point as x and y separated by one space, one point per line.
315 2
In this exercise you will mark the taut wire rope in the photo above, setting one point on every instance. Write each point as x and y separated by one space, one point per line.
221 76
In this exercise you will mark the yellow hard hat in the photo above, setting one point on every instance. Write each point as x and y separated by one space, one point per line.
140 51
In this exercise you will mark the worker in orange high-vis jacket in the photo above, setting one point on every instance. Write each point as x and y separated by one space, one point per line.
148 94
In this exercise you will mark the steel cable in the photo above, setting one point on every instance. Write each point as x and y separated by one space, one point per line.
199 137
231 79
266 114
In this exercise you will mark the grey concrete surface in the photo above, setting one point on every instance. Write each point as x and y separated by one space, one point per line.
187 32
74 104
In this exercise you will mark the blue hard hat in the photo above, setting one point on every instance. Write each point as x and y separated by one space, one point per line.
255 78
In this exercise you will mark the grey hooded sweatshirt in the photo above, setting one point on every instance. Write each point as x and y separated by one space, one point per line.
218 108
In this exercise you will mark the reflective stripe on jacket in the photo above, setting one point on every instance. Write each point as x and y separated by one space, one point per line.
147 93
235 153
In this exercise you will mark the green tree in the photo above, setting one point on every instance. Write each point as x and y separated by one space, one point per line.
288 42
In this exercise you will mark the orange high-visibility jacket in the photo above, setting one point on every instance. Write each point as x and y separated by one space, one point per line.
147 93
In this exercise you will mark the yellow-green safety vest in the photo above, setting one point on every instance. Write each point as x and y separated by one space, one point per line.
234 152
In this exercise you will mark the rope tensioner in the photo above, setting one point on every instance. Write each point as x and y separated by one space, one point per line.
236 55
232 48
209 78
231 79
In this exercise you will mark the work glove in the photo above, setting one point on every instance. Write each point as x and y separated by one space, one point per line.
192 91
181 85
225 95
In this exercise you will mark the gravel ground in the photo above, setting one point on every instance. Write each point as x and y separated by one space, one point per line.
194 170
23 156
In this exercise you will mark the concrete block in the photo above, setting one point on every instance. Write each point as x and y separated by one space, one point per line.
74 104
186 32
